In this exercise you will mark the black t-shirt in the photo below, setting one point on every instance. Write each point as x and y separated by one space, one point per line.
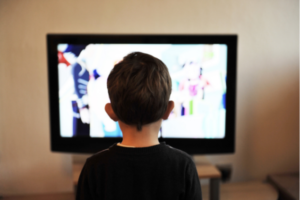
156 172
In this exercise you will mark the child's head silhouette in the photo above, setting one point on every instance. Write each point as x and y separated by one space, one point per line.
139 88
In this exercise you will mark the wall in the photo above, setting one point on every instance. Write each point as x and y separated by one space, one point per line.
267 130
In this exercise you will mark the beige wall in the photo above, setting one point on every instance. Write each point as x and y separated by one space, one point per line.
267 130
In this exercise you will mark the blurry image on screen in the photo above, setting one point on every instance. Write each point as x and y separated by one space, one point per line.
198 75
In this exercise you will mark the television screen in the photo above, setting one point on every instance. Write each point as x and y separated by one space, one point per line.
198 73
203 72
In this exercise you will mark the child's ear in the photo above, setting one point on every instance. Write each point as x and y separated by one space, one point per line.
169 109
111 112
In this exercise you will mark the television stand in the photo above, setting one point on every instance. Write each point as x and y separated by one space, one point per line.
206 170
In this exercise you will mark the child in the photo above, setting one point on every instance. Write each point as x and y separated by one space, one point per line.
140 167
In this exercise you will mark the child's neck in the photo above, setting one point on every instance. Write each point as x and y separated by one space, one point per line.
147 137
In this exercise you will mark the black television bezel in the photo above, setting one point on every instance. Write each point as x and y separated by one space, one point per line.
93 145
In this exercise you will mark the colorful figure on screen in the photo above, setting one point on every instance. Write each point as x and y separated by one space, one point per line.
100 123
80 77
192 86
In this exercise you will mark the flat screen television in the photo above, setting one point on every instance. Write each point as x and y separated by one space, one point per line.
203 71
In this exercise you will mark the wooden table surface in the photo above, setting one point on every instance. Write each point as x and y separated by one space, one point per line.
207 171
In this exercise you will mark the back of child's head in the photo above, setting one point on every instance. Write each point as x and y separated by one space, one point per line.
139 88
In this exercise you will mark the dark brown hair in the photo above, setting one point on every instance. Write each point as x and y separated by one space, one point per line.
139 89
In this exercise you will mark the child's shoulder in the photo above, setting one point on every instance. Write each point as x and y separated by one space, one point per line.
102 156
163 152
179 154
